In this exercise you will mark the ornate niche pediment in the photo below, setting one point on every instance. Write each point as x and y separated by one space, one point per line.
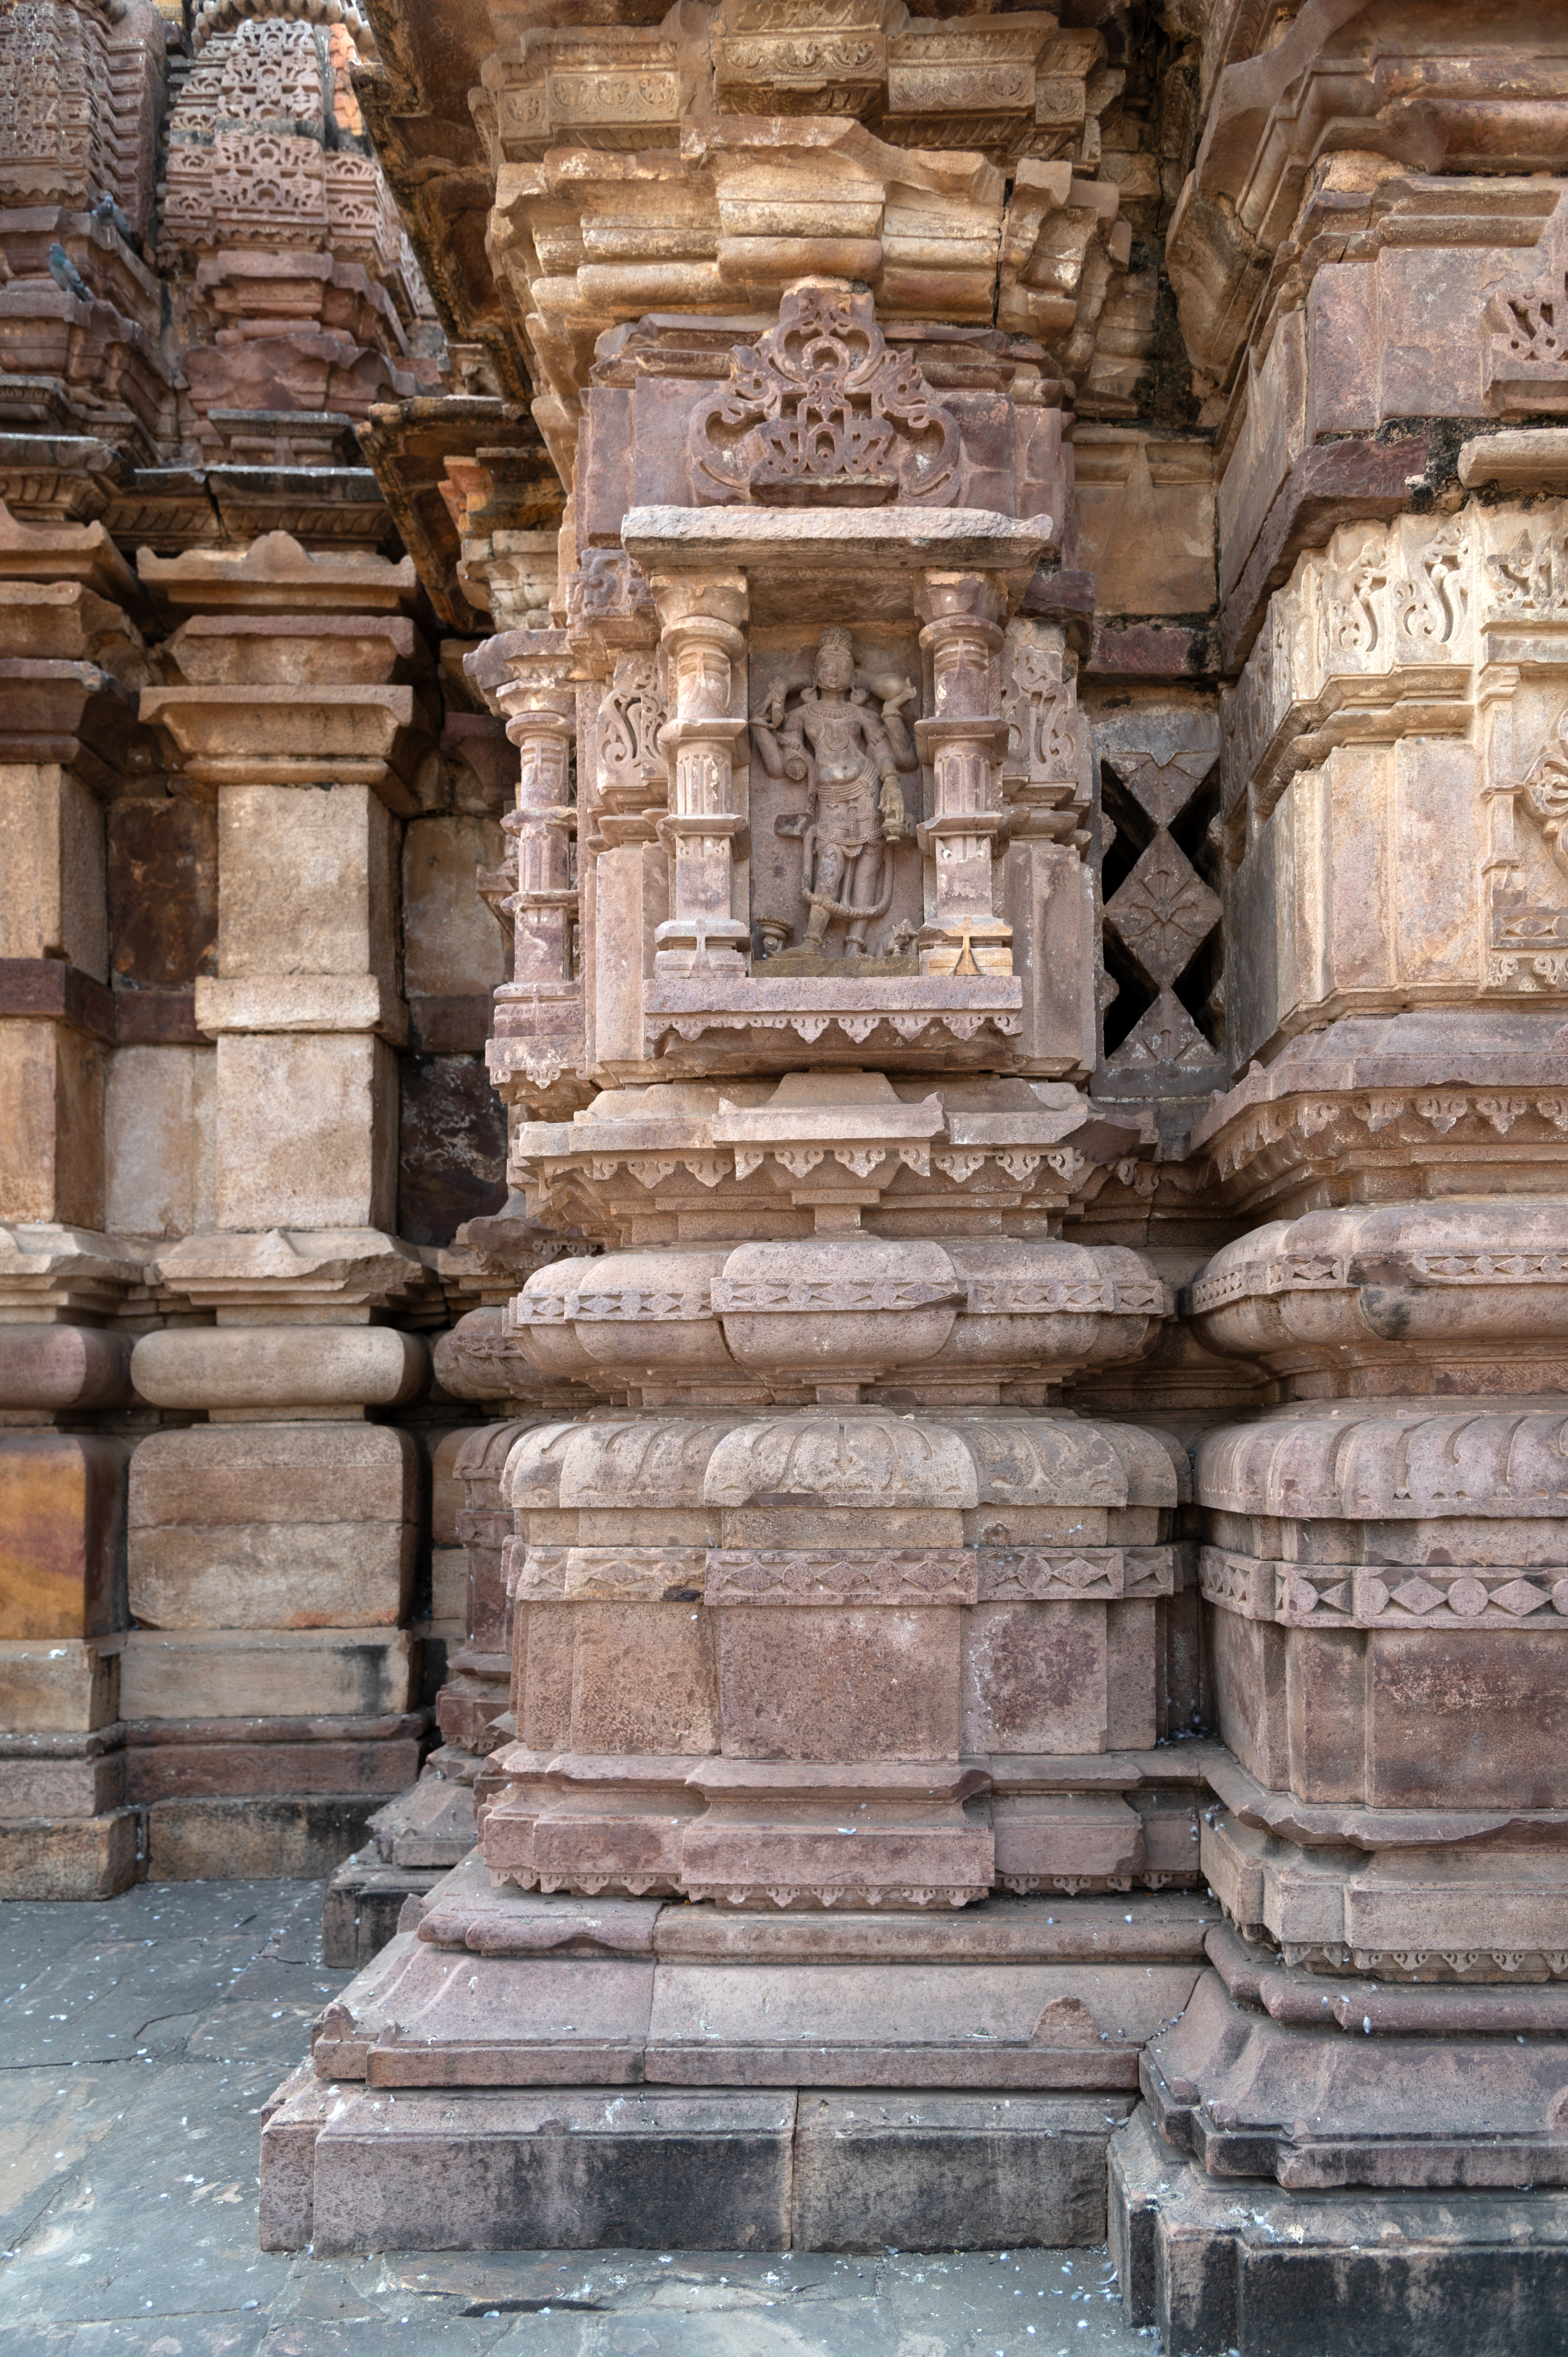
822 413
1527 365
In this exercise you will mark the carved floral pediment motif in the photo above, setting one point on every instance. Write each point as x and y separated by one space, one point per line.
822 413
1527 364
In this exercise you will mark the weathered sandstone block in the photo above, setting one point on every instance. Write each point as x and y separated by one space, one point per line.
267 1672
62 1504
256 1367
256 1526
59 1685
307 1131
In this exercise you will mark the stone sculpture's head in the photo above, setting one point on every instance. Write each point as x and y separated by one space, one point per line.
836 659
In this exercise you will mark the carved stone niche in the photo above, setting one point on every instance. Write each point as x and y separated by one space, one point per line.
794 835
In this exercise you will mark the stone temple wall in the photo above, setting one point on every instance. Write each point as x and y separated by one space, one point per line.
785 975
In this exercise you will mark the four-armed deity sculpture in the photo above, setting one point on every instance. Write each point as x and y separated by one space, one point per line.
849 762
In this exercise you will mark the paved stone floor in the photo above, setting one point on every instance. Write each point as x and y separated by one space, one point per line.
139 2038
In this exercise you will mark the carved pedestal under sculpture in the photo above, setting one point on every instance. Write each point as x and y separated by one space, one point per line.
838 1643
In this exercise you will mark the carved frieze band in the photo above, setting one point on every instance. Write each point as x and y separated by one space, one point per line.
1324 1126
1356 1596
739 1298
805 1576
631 1305
850 1896
1020 1165
1305 1272
1522 1964
1092 1574
960 1023
724 1297
834 1575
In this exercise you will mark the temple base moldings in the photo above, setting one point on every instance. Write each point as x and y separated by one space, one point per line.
1217 2264
824 2081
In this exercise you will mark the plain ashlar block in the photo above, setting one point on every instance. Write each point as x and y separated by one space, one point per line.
375 1766
452 945
62 1531
1242 2266
51 1135
60 1782
1396 1718
59 1685
266 1673
223 1474
308 883
292 2119
840 1685
301 1001
307 1131
1048 900
279 1575
562 2169
643 1680
631 885
63 1367
268 1836
1059 1678
158 1112
277 1367
928 2171
51 868
69 1858
263 1526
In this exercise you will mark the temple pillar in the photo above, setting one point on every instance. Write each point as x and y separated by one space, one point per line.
701 648
834 1635
1038 941
1379 862
69 744
298 709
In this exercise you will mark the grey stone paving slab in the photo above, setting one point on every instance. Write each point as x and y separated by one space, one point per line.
141 1972
159 2219
50 2122
139 2038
